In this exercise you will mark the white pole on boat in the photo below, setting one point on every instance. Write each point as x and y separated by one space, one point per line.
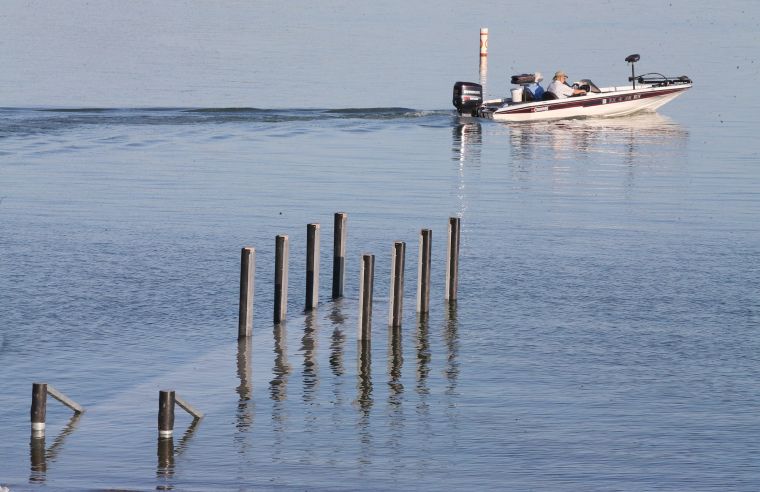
483 41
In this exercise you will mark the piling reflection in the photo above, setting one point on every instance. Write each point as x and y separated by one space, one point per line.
337 348
38 472
395 393
310 377
309 348
244 414
423 369
395 362
278 387
338 339
451 339
423 354
281 370
39 455
364 399
364 375
167 452
165 467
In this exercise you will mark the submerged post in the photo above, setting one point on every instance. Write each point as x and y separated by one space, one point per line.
339 254
39 409
312 266
452 260
396 296
423 271
247 269
165 413
282 249
366 284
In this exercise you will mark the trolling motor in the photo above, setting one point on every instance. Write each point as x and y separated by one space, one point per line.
632 59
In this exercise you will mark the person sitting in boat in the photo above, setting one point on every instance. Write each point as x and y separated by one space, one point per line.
535 88
559 87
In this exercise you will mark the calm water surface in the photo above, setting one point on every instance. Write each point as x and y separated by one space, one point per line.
605 335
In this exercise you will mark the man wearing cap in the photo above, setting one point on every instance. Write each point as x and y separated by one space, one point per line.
560 88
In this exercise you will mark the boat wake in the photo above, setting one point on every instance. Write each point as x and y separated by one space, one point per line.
32 121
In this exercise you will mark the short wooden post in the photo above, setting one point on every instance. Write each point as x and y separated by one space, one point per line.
312 266
423 271
165 413
366 284
339 253
39 409
247 276
452 260
282 249
398 258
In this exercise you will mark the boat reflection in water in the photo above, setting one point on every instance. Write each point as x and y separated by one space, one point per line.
467 141
631 136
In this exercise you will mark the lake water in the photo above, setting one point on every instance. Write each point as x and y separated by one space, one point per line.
605 335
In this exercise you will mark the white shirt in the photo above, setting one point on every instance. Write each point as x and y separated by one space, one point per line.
560 89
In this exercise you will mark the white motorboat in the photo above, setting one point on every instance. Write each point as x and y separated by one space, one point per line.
647 93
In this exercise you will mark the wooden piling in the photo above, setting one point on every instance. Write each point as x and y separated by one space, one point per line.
312 266
366 284
452 260
339 253
423 271
166 413
39 409
282 249
247 276
396 295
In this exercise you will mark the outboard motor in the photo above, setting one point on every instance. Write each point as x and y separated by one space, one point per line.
468 96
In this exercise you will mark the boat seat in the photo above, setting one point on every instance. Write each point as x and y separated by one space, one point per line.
548 96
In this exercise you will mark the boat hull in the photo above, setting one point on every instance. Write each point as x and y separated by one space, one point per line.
611 103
